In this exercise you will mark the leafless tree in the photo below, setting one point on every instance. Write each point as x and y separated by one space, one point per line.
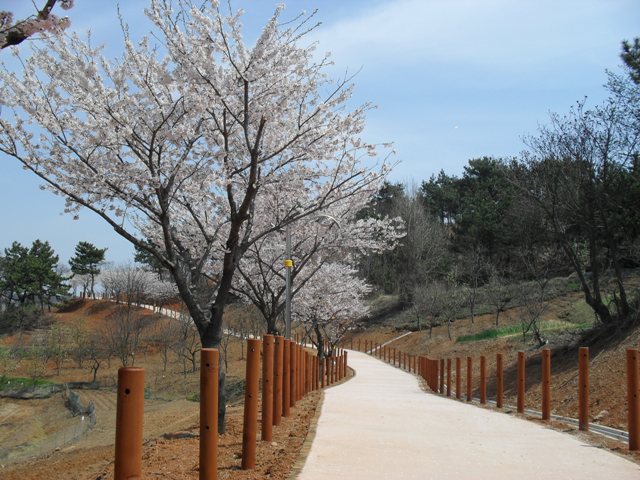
123 334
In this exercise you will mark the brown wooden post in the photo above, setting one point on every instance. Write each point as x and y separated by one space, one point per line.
129 421
633 397
316 372
427 371
351 345
293 355
483 379
300 372
251 388
267 387
469 378
499 380
458 378
286 378
359 349
344 359
209 359
329 370
323 369
583 389
448 377
521 382
546 384
278 355
441 390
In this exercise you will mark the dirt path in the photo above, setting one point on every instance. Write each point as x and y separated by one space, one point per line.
382 425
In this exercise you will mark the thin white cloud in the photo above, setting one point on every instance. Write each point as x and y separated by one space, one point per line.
491 33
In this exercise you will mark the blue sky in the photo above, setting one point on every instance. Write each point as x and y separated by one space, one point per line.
452 80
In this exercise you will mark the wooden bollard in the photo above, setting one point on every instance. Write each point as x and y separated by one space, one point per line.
583 389
521 382
633 397
546 384
293 372
278 355
441 375
300 372
209 359
469 378
251 389
286 378
483 379
268 347
458 378
435 375
129 421
499 380
344 359
448 377
323 370
427 371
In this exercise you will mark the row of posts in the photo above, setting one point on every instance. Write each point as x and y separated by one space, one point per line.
437 373
390 355
288 373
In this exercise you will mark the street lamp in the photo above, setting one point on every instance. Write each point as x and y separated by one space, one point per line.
288 264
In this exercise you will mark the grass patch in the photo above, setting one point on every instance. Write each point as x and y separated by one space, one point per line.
511 330
10 383
490 333
194 397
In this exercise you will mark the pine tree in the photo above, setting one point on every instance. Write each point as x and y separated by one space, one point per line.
87 261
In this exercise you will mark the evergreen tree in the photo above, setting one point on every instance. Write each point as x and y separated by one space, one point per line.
87 261
30 276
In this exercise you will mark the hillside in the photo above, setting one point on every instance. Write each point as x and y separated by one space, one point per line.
41 439
566 325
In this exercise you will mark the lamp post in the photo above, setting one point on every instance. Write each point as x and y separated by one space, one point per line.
288 264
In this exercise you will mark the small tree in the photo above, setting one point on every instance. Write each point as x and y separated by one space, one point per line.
123 333
497 293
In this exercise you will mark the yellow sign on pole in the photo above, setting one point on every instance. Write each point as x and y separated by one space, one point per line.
288 263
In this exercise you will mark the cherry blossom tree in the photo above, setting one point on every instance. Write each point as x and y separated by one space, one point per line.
330 303
176 144
341 235
15 32
136 285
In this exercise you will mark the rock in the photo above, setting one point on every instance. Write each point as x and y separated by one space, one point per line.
601 416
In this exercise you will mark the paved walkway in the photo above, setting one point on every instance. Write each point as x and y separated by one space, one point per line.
381 425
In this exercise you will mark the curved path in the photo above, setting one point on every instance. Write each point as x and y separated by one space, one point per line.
381 425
